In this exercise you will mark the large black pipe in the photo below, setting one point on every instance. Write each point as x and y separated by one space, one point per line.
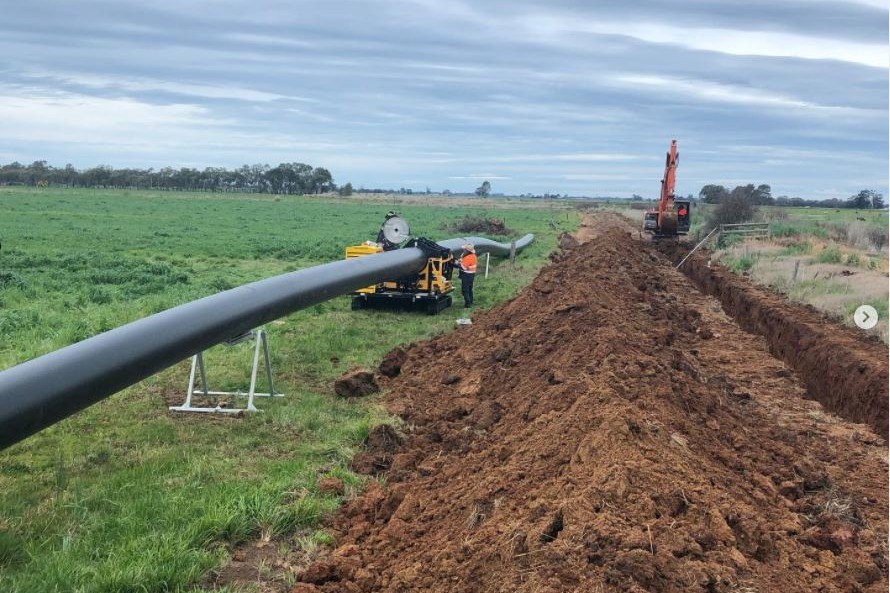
42 391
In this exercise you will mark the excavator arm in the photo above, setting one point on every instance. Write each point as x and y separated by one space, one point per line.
667 214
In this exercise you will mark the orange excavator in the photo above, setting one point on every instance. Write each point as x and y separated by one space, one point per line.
673 216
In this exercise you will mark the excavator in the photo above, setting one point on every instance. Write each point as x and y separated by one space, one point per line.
672 217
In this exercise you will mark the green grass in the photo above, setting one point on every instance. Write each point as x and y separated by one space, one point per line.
862 228
125 496
740 264
798 248
785 229
830 254
882 306
726 241
818 287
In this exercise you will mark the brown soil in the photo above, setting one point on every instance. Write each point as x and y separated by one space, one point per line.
588 227
391 365
379 447
842 369
356 384
614 431
331 486
567 241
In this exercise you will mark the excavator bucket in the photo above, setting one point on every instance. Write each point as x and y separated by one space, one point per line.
668 223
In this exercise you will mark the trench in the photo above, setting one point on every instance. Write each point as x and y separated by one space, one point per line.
844 371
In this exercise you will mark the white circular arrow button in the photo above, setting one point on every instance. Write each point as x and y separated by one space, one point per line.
866 317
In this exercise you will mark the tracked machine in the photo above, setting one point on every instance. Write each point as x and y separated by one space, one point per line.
428 290
672 217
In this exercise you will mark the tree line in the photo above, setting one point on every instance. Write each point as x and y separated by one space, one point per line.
761 195
286 178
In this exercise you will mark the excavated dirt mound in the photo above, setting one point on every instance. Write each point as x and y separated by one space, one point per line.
614 431
843 370
357 383
474 224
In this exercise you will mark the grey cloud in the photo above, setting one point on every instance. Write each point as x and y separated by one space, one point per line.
384 92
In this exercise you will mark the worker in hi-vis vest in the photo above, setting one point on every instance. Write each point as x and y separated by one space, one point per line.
467 263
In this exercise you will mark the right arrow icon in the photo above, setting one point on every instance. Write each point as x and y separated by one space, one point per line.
865 317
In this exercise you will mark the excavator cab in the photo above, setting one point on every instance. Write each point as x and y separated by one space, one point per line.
684 216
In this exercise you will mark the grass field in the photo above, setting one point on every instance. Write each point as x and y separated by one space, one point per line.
128 497
841 225
832 259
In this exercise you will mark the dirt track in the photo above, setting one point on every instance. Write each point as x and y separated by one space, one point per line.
610 429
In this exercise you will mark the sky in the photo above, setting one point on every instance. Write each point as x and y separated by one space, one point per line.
569 97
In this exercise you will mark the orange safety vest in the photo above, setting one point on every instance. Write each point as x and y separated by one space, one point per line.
468 263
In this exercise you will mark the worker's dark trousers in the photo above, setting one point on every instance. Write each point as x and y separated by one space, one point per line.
466 288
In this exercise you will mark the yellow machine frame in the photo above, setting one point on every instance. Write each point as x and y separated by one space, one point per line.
362 250
430 288
435 268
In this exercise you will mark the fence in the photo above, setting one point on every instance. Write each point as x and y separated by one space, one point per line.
748 229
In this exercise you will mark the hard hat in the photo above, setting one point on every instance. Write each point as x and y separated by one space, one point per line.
469 247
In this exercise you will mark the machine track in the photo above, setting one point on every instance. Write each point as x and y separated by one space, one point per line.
612 429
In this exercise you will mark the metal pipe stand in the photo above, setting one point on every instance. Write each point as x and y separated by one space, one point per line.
260 338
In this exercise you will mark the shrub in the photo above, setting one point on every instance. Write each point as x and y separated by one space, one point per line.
878 237
853 259
725 241
830 255
864 236
737 207
798 248
742 264
781 229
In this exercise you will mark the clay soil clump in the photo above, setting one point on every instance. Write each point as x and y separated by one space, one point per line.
614 430
391 365
356 384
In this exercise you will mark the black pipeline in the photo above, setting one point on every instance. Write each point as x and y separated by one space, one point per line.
42 391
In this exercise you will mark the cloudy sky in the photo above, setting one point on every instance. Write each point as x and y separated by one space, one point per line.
558 96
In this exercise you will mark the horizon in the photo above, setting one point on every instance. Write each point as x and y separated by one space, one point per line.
426 190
